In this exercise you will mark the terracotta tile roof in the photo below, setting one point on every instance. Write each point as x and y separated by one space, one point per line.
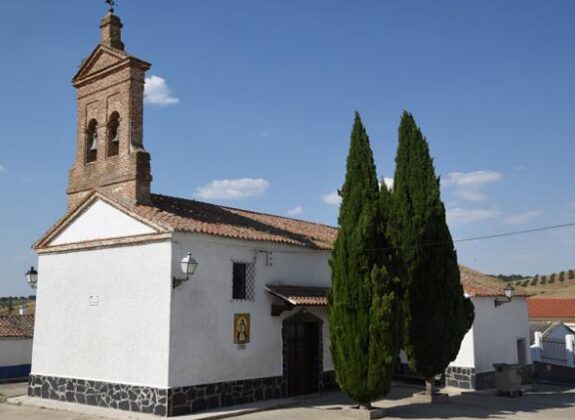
474 283
194 216
477 284
551 308
300 295
17 326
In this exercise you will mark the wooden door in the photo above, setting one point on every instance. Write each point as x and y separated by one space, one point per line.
302 343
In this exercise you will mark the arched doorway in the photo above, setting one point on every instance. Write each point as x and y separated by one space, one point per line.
302 354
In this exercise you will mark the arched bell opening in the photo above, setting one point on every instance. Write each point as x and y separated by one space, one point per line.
114 134
92 141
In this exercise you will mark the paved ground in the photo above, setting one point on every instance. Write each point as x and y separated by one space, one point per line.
547 402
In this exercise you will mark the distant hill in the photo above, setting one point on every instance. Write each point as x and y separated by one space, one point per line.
561 283
510 278
10 305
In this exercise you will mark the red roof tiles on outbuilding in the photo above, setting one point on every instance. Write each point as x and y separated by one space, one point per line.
551 308
17 326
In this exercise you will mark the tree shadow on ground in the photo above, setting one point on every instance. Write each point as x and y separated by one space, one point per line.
400 404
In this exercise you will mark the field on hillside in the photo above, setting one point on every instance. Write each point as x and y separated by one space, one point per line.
16 303
555 284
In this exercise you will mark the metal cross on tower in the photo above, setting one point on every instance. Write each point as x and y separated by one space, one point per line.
112 4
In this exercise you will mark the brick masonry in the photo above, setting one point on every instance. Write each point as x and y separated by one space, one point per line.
111 81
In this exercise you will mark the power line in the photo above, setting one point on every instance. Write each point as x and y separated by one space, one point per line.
517 232
492 236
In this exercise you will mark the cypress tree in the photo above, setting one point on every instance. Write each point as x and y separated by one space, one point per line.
436 313
364 309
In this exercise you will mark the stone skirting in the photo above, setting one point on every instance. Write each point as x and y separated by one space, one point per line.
467 378
189 399
328 381
163 402
141 399
460 377
485 380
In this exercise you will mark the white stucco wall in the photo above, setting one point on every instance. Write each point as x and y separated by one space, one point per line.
101 221
466 355
15 352
202 348
496 331
125 338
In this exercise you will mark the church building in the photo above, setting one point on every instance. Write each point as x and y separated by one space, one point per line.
166 305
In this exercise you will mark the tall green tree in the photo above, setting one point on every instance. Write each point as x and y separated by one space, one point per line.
364 310
436 313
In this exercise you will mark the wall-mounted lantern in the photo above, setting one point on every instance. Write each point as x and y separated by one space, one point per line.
32 277
509 293
188 266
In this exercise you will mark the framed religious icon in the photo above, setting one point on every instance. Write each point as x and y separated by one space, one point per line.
241 328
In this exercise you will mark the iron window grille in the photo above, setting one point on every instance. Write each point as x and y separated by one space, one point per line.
243 281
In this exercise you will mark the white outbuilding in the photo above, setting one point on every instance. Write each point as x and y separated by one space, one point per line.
16 332
499 334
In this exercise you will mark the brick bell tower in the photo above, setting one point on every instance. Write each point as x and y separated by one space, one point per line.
110 154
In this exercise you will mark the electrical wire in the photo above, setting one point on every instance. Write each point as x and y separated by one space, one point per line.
479 238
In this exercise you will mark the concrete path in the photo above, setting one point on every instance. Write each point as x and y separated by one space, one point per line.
547 402
14 389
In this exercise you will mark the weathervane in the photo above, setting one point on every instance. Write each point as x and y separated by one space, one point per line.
112 3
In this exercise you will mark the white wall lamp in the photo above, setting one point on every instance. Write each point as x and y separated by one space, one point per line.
188 266
32 277
509 293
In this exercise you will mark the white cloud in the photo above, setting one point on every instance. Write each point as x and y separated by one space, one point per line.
332 198
460 216
468 184
466 179
233 189
388 182
521 218
295 211
157 92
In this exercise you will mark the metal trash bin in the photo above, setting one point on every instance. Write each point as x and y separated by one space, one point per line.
508 379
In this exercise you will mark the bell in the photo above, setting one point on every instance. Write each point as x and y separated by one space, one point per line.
116 137
94 145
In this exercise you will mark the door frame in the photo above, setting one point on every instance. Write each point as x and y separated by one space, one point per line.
304 317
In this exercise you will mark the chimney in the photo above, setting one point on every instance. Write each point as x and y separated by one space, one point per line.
111 26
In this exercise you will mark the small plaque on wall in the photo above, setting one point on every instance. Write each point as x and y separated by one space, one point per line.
94 300
241 330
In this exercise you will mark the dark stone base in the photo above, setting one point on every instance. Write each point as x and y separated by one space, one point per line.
528 375
554 373
460 377
485 380
140 399
164 402
329 382
189 399
467 378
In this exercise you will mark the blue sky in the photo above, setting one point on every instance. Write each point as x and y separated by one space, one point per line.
252 104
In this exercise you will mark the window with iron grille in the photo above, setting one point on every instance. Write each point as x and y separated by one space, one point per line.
243 281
